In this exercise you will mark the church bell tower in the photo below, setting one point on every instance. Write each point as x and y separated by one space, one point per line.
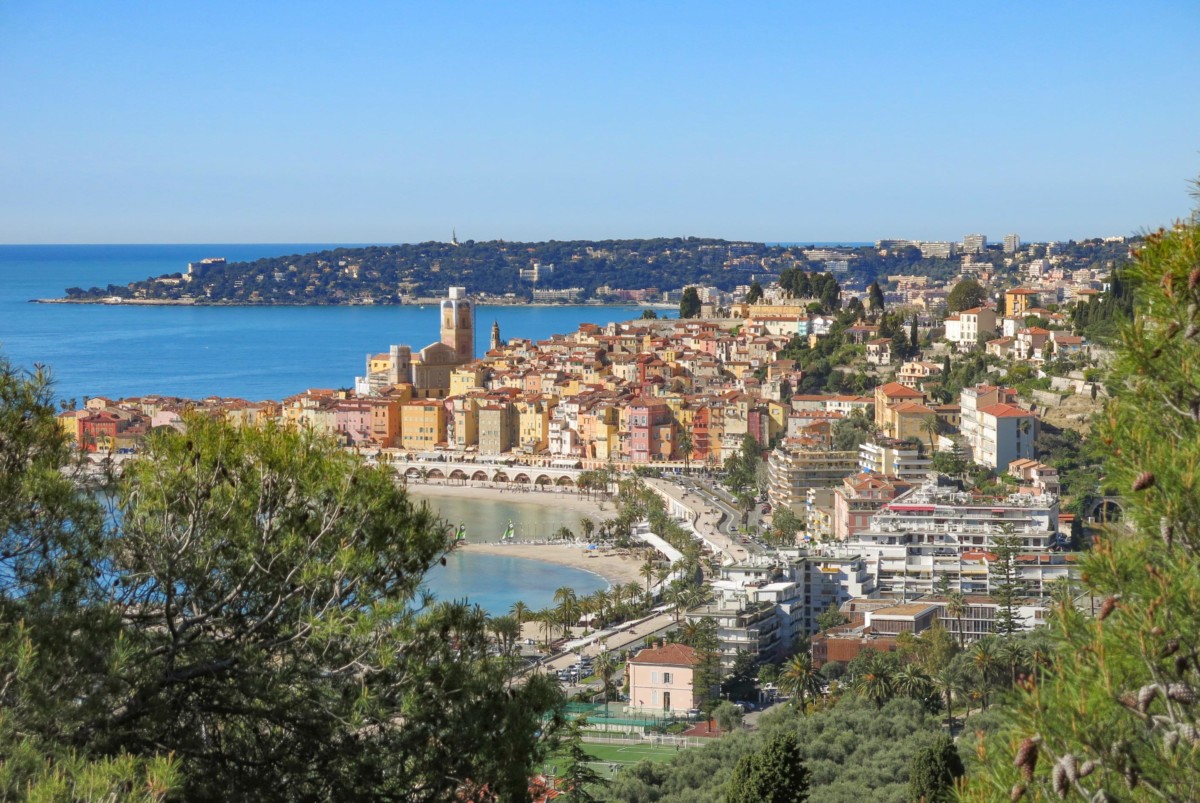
458 324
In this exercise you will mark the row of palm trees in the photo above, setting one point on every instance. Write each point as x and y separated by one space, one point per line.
621 601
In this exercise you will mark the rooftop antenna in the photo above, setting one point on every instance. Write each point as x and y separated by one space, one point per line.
453 237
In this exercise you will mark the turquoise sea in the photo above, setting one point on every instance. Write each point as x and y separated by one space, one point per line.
250 352
260 353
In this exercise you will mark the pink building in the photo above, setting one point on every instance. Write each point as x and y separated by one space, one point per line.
352 420
660 679
860 497
649 430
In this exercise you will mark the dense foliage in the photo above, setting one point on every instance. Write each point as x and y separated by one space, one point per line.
1114 717
852 752
252 622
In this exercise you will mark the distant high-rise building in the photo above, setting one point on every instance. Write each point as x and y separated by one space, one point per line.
936 250
975 243
1012 243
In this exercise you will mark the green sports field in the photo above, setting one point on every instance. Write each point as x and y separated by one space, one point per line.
611 757
631 753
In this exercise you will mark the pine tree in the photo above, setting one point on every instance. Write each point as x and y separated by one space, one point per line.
773 774
1113 715
1006 589
578 778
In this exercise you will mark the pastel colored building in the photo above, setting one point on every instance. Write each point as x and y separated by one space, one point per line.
661 679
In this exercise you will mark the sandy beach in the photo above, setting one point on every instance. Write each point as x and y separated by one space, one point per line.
568 500
611 567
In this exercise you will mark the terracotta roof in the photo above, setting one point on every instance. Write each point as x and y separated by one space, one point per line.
670 655
914 408
1006 411
896 390
1023 291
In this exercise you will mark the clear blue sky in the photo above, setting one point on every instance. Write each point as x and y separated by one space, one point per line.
378 122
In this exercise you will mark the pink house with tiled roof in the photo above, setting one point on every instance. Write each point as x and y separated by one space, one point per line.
661 679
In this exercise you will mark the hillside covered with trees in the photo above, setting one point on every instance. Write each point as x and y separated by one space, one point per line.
391 274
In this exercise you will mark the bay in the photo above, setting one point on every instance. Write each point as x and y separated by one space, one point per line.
265 353
250 352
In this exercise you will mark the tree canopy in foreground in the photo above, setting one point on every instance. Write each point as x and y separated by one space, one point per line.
252 624
1115 716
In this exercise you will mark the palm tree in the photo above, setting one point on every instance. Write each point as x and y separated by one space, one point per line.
948 684
685 446
616 598
986 658
911 681
1015 655
677 596
548 617
606 665
519 611
568 607
634 597
648 571
956 606
932 426
602 602
506 630
876 683
799 679
588 527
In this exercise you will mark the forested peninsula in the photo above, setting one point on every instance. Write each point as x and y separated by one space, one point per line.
563 271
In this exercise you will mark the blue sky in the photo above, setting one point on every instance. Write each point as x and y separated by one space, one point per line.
380 122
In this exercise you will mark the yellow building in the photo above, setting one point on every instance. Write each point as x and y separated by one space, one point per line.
534 425
466 379
887 398
908 421
465 410
422 424
1019 299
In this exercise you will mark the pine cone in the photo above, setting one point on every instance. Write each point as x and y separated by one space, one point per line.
1181 693
1193 278
1059 781
1087 768
1190 733
1145 696
1170 740
1144 481
1027 756
1018 792
1071 766
1171 648
1107 607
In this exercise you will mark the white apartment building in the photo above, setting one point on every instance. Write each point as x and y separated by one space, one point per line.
975 243
936 529
995 430
1006 433
897 458
964 328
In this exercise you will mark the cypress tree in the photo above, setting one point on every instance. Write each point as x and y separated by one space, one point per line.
932 773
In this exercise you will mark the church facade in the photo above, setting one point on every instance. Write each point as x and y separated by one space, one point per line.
427 371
